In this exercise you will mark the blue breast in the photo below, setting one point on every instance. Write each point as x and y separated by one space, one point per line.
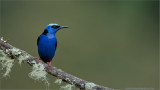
46 47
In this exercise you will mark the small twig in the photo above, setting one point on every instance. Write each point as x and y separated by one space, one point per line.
68 78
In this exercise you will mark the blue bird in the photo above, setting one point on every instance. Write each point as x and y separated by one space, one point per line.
47 43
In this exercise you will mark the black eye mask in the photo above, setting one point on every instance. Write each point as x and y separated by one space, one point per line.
55 27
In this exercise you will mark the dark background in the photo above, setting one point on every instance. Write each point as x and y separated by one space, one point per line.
111 43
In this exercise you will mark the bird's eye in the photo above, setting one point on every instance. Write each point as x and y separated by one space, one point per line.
55 27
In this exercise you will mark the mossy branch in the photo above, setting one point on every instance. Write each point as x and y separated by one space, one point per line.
68 78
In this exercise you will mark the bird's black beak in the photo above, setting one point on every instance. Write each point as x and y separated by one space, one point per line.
64 27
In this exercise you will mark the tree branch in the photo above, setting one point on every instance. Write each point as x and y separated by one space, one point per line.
68 78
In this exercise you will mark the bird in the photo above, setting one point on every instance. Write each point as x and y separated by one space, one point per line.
47 43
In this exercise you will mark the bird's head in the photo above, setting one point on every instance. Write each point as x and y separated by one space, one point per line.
53 28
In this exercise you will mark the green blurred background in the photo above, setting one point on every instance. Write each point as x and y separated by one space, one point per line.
111 43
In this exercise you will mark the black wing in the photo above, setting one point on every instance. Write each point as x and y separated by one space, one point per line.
55 46
38 40
44 33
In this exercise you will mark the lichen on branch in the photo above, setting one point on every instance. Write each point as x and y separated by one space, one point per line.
38 73
8 54
6 63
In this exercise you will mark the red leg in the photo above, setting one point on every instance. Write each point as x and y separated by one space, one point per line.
49 63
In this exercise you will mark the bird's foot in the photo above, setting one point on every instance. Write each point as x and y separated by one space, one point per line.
37 58
49 63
